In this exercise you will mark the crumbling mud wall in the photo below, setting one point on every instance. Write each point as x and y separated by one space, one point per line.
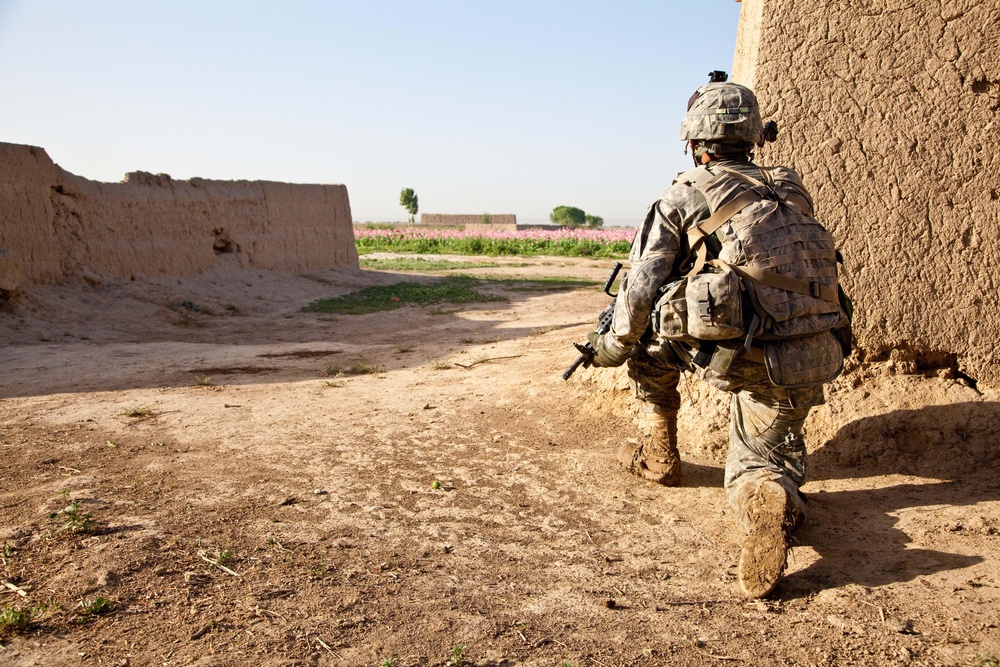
55 225
890 109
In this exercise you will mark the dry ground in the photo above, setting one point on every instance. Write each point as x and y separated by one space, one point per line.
245 505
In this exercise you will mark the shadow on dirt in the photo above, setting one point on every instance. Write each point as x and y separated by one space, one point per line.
857 533
121 336
698 475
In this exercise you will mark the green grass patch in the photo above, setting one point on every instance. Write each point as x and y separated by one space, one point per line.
538 284
422 264
453 289
458 289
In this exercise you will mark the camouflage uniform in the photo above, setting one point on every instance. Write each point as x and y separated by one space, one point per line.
768 237
765 440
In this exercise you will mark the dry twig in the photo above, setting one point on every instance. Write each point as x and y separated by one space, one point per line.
685 603
267 612
720 657
221 566
20 591
483 361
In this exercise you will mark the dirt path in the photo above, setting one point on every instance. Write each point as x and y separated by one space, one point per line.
462 495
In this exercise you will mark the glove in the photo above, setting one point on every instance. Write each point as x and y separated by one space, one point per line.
604 357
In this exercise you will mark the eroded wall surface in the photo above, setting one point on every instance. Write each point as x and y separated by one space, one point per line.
55 225
890 109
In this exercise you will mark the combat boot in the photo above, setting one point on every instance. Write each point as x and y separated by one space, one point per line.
657 458
769 523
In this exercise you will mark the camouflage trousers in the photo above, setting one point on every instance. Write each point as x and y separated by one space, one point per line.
765 421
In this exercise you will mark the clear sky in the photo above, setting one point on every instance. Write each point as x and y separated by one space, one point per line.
500 107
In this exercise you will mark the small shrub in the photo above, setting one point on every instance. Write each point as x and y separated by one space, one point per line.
138 412
96 607
364 368
456 659
72 520
13 619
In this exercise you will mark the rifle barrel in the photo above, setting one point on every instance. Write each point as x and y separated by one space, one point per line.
576 364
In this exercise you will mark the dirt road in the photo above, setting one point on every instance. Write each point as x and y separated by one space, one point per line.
245 483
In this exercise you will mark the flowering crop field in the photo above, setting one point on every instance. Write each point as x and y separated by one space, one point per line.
567 242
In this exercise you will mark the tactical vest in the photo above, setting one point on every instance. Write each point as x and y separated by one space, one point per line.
762 268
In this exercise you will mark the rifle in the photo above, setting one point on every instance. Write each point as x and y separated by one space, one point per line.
587 350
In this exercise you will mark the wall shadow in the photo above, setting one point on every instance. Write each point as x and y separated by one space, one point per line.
856 533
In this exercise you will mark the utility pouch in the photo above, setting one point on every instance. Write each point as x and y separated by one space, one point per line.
803 362
670 312
716 360
714 304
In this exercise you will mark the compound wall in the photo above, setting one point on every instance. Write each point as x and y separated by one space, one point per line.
890 109
55 226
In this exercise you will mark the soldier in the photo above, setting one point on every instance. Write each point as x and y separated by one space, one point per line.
725 218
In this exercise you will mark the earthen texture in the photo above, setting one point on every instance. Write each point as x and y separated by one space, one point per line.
460 220
890 111
55 225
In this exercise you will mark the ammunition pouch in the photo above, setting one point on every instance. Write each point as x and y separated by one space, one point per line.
706 306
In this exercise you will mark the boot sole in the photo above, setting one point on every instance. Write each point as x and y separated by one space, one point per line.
765 550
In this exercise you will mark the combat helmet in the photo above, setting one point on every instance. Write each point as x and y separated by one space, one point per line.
723 113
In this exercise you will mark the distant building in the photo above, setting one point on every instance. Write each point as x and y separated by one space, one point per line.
462 220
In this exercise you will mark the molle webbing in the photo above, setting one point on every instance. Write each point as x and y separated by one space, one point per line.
780 281
758 191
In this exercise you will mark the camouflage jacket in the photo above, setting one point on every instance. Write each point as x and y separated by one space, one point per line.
659 252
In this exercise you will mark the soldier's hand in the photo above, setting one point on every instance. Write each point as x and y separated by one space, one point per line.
605 357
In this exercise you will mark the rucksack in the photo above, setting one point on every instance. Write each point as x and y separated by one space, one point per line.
760 268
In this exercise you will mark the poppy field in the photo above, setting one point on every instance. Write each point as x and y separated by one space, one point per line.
602 243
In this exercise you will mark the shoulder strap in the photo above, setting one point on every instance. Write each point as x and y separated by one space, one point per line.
697 235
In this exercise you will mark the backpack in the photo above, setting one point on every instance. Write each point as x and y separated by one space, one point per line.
762 269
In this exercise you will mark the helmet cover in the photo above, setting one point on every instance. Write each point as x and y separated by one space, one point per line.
724 113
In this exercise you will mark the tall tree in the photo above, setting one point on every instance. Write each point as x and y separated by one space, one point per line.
408 200
567 216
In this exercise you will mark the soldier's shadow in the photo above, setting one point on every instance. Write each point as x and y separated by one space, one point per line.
856 533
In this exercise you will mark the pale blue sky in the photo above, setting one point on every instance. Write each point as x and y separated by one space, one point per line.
500 107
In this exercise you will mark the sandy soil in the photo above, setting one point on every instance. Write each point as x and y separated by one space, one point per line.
462 496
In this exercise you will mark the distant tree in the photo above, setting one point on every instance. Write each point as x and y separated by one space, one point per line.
567 216
484 219
594 221
408 200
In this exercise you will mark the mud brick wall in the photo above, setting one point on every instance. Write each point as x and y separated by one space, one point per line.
890 109
55 225
460 220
